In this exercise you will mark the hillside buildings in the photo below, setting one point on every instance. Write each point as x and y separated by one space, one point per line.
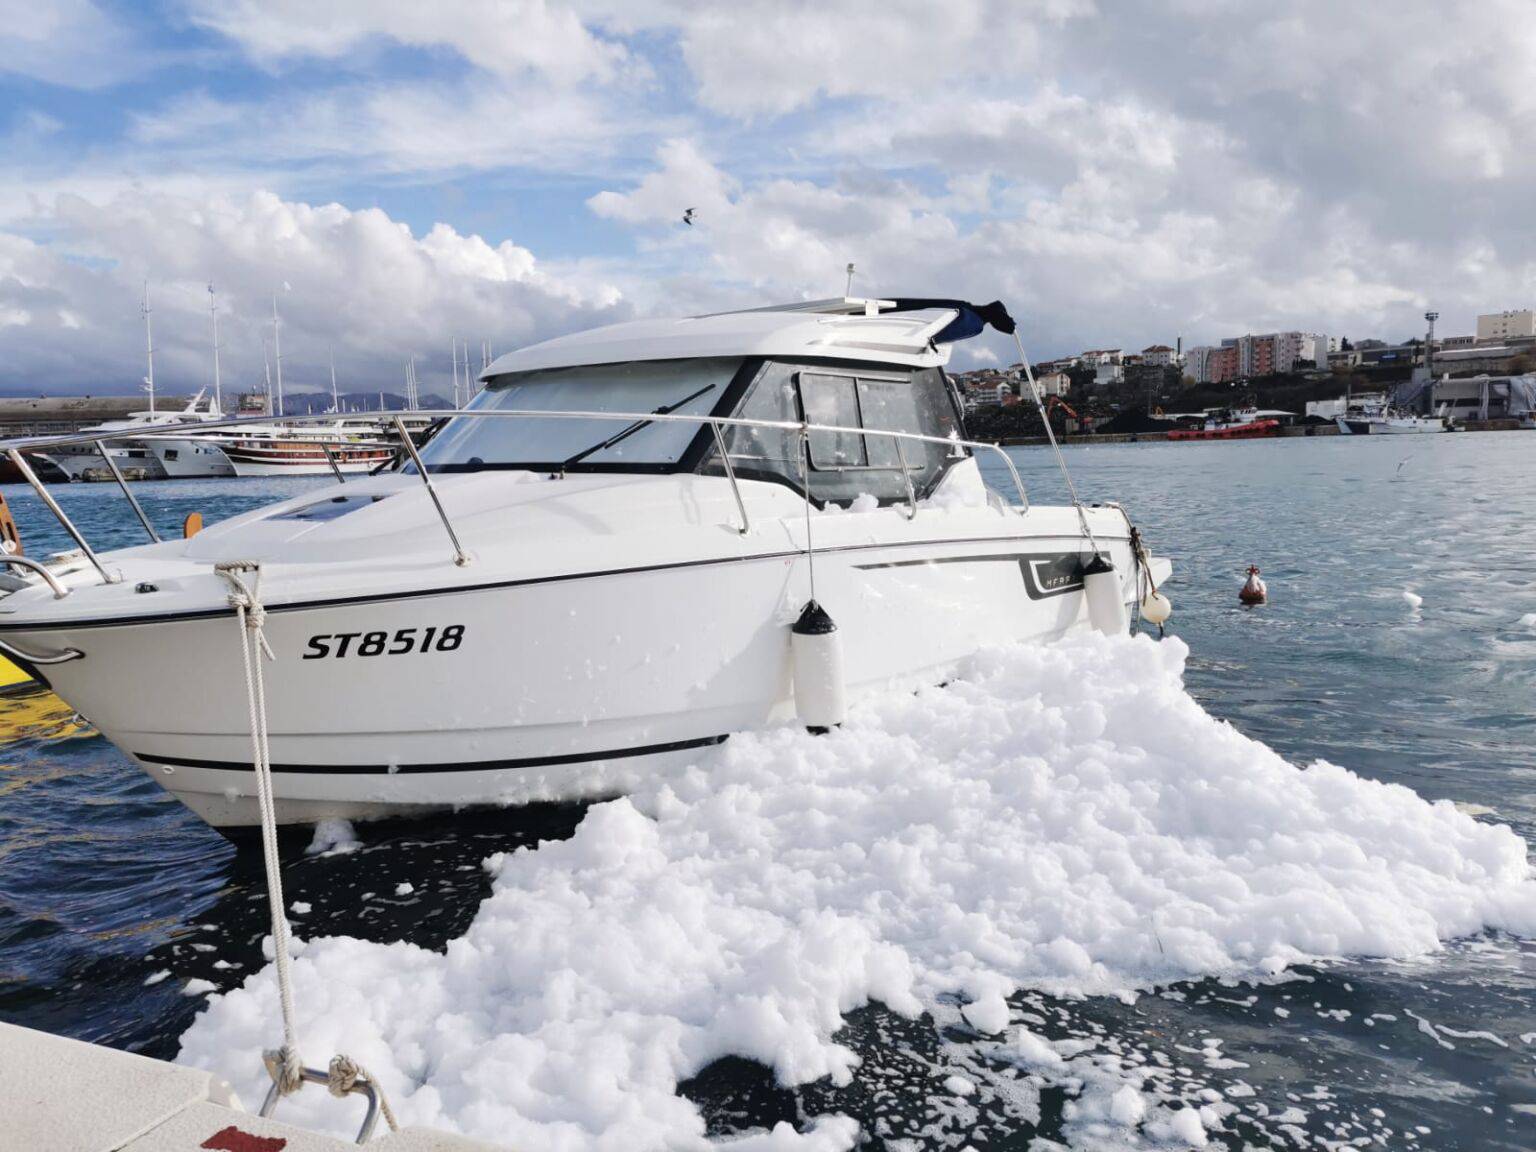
1497 327
1241 357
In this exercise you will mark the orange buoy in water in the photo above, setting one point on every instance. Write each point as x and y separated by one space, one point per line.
1253 592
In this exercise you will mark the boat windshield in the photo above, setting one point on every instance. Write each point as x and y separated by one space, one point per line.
467 444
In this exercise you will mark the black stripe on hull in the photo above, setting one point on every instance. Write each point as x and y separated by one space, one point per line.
422 769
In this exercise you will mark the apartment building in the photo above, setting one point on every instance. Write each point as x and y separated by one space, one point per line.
1496 327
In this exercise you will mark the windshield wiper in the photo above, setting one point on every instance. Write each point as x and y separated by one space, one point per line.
630 430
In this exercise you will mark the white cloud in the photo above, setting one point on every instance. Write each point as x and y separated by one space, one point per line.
360 281
1120 174
402 129
507 37
72 43
1126 175
769 57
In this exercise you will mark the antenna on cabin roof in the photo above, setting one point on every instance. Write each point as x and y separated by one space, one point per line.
848 291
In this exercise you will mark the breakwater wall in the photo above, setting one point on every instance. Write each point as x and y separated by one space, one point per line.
1153 437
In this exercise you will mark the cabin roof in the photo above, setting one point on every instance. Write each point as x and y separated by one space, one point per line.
837 329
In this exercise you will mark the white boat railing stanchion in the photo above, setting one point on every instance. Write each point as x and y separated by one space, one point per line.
805 484
730 474
460 557
906 475
117 475
53 506
1018 482
331 460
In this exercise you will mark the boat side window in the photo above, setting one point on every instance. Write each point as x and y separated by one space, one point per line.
833 400
763 453
872 464
844 465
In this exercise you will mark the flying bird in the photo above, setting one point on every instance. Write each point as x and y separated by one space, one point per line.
688 216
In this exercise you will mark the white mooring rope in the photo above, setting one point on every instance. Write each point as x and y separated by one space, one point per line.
283 1064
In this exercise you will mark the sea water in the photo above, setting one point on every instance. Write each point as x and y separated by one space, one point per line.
119 913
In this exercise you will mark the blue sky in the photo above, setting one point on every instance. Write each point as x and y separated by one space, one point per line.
1119 174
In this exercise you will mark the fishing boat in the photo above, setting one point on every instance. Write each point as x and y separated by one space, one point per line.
1227 425
1383 421
636 541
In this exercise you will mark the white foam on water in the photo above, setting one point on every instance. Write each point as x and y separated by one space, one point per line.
333 838
1063 818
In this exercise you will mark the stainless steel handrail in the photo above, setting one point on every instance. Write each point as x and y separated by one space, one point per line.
15 448
127 491
53 506
362 1087
59 591
25 657
460 557
730 474
906 474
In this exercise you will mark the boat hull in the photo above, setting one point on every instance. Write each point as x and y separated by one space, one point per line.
133 461
1406 426
190 459
298 459
1258 429
554 689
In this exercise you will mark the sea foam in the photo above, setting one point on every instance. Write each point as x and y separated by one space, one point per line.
1062 817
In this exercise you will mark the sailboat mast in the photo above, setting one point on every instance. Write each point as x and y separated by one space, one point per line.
266 361
213 311
149 348
457 403
335 400
277 352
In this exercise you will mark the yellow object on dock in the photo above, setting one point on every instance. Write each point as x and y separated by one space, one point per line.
13 678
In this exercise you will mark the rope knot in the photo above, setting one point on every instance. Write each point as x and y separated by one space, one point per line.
285 1067
343 1074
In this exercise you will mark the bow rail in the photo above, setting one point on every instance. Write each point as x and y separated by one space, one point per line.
378 422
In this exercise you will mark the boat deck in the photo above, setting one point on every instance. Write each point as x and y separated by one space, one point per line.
70 1096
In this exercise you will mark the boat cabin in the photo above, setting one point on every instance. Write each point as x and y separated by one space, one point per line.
851 363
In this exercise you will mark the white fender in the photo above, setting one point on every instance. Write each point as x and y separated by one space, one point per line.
1106 604
816 653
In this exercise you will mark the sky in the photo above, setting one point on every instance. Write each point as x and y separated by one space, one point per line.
403 175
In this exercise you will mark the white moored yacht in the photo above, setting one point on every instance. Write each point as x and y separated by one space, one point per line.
562 601
280 450
134 458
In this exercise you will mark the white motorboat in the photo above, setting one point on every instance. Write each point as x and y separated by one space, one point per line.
189 457
1383 421
136 459
274 449
594 573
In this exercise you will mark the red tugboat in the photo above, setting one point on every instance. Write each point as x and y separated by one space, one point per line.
1228 425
